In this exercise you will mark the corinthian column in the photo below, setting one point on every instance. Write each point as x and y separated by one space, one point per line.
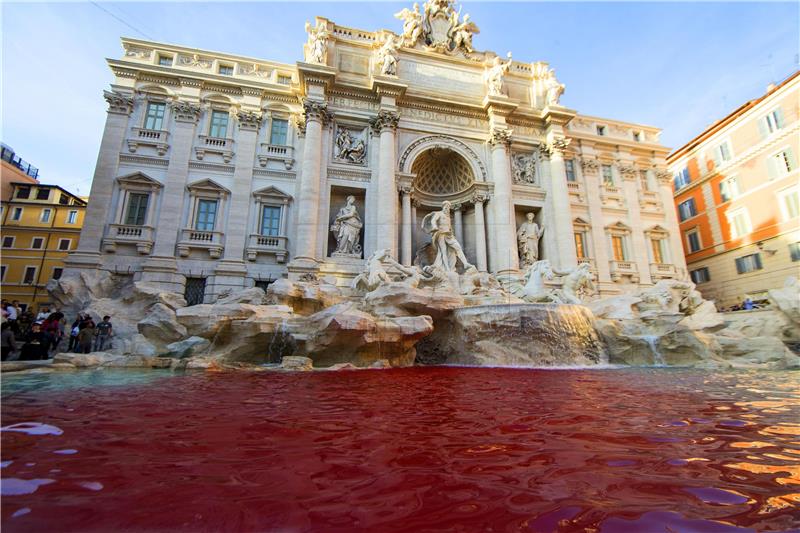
119 109
502 224
386 124
480 233
405 241
316 115
558 202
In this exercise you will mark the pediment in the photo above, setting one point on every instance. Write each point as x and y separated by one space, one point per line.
273 193
207 185
139 179
618 227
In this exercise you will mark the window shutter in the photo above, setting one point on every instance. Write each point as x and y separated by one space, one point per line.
739 265
763 129
790 158
757 261
779 117
772 167
717 156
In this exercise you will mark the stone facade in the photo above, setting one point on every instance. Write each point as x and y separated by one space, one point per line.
218 172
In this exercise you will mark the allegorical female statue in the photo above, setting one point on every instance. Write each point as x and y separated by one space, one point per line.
528 236
346 229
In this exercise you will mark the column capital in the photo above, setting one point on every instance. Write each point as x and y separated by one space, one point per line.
480 197
300 124
589 166
663 176
249 120
119 103
499 137
184 111
627 171
404 188
315 110
556 146
385 120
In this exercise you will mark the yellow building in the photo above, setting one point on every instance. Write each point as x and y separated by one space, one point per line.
40 225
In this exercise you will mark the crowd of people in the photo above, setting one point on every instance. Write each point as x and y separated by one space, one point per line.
29 337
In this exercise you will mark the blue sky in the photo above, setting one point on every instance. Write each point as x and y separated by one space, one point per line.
678 65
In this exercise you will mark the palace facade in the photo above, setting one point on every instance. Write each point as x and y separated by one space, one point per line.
218 172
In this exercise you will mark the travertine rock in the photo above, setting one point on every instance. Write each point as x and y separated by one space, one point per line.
787 299
397 299
297 364
304 298
110 360
161 325
187 347
252 295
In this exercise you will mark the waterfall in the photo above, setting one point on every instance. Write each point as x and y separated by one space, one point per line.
652 342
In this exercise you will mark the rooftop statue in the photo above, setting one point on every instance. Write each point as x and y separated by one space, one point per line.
387 56
448 251
554 88
412 24
316 50
495 74
438 27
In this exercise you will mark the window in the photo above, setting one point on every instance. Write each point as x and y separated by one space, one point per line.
64 244
659 249
687 209
771 123
700 275
72 217
278 133
608 175
580 245
2 272
794 251
601 130
45 217
271 221
42 194
729 189
8 242
781 164
164 61
284 80
63 199
137 209
57 271
569 166
681 178
264 284
748 263
23 193
722 153
206 215
226 70
693 241
219 124
790 203
637 136
739 222
30 276
618 247
37 243
195 291
16 214
154 117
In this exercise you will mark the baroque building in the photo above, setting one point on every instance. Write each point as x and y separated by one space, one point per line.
738 197
218 172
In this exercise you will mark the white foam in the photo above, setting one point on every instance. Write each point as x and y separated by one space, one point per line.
13 486
33 428
68 451
91 485
20 512
4 464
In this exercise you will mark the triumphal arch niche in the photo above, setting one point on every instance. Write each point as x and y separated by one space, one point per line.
248 170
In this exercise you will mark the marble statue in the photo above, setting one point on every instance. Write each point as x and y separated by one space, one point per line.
317 46
448 251
534 289
412 24
346 229
554 88
528 236
524 167
387 57
461 34
577 284
350 148
374 273
495 75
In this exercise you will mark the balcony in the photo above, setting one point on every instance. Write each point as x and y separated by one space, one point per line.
612 196
650 202
143 137
268 244
620 269
139 236
662 271
575 191
276 152
214 145
201 240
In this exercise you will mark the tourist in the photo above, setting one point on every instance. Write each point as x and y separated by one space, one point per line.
748 304
4 308
8 343
12 314
44 313
52 328
36 343
73 333
86 336
104 331
25 320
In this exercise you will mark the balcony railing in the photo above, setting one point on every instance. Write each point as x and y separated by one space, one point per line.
276 245
139 236
624 268
214 145
145 137
203 240
276 152
662 271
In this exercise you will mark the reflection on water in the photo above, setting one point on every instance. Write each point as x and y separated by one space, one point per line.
419 449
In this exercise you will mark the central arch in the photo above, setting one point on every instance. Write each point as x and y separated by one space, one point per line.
441 172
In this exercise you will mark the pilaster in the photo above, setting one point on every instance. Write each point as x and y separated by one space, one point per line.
385 123
557 201
630 185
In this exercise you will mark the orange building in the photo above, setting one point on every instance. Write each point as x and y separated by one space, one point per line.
14 169
737 192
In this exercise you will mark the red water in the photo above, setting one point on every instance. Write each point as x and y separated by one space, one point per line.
418 449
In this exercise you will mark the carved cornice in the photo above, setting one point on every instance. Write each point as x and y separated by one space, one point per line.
313 110
161 80
184 111
385 120
124 73
249 120
590 166
499 137
191 82
252 91
118 103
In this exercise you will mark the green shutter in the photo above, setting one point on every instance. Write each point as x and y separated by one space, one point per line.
757 260
779 117
763 128
772 167
790 157
740 265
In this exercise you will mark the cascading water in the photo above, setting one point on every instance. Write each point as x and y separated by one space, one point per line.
652 342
